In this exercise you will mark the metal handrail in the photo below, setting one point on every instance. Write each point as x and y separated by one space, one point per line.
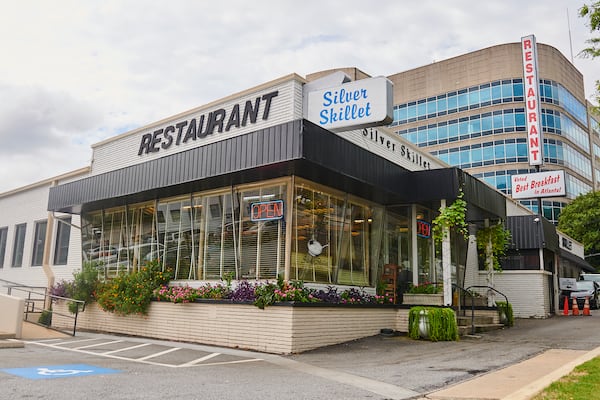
489 288
470 294
472 305
53 298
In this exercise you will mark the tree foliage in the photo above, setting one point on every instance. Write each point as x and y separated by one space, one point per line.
581 220
592 13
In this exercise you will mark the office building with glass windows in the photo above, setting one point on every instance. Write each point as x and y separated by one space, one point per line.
470 112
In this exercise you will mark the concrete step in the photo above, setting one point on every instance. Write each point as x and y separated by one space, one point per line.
6 335
466 330
11 344
478 320
8 341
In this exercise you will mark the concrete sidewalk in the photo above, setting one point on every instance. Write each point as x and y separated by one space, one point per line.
29 331
519 381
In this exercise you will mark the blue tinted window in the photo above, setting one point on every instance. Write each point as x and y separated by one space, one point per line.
463 128
442 104
511 150
452 103
485 94
465 157
453 130
431 107
520 119
499 151
497 121
401 112
522 149
442 132
509 120
507 90
475 126
412 111
454 158
463 99
421 109
432 134
488 153
496 92
476 155
486 123
474 97
518 89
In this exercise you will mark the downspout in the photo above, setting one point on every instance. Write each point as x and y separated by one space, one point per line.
46 256
446 262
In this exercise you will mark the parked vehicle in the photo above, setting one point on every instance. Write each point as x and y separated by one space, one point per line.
589 289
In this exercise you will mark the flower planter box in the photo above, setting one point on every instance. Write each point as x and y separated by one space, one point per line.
280 329
415 299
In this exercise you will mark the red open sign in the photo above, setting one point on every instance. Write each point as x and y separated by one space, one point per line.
266 210
423 229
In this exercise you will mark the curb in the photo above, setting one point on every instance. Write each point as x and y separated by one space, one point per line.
537 386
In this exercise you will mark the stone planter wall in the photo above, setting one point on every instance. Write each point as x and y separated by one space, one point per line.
276 329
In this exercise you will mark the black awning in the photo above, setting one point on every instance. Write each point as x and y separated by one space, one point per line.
578 261
298 148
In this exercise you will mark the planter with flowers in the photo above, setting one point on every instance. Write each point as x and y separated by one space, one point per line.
425 294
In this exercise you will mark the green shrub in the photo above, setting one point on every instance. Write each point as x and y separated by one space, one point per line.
84 285
131 293
45 318
506 309
442 323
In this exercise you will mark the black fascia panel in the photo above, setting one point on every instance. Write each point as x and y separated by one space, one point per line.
171 175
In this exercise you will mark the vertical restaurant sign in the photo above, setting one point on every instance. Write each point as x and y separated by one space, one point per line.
535 143
353 105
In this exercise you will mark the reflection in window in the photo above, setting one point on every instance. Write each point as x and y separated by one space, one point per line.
63 236
18 246
39 240
3 237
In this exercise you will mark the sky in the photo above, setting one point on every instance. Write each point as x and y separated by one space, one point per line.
73 73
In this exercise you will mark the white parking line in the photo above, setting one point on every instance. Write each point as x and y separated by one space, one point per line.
199 360
97 344
158 354
125 349
144 360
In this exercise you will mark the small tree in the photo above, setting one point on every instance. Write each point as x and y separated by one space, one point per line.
581 220
497 238
452 217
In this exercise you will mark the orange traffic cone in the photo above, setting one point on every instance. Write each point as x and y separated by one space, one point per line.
586 307
566 306
575 307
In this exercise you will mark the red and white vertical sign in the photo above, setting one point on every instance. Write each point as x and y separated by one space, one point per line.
535 143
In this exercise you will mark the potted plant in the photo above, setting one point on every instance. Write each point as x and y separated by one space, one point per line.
433 323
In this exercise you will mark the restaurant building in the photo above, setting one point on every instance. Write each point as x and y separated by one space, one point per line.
298 178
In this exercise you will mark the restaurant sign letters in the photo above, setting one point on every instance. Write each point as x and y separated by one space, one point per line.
532 100
353 105
215 121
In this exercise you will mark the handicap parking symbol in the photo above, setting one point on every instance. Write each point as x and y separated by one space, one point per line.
59 371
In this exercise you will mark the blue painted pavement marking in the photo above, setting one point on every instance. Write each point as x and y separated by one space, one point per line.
59 371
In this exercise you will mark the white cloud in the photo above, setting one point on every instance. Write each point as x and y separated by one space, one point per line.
74 73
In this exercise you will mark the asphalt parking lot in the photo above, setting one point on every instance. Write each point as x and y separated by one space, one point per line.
380 367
